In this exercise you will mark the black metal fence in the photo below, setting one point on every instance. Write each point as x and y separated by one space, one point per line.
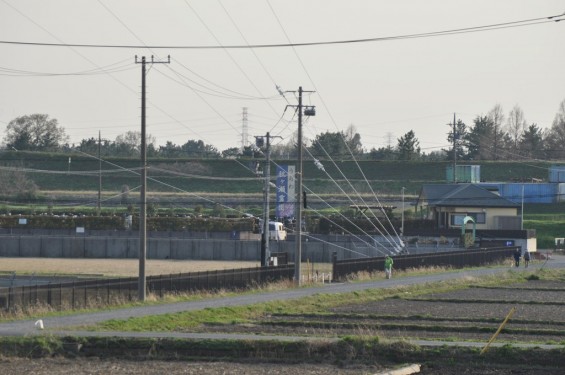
91 293
456 259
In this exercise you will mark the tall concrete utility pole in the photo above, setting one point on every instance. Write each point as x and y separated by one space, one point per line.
454 150
299 198
265 253
141 289
298 228
99 173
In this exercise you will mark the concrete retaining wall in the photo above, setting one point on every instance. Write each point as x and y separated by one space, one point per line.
165 248
184 248
120 247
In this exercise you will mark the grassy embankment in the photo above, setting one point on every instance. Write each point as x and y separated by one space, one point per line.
197 175
196 179
548 220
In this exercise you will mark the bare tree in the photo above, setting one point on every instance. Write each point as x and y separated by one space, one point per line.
129 143
516 125
353 140
555 141
14 182
496 116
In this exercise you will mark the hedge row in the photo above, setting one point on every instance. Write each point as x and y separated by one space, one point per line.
119 223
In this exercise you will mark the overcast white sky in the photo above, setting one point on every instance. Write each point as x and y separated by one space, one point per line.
384 88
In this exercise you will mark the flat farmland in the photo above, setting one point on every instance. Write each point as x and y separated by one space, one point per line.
111 267
469 314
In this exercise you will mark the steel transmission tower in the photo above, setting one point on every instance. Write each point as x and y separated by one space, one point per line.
244 130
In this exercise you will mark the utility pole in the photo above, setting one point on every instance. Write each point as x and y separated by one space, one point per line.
298 229
99 174
141 289
265 253
454 150
309 111
402 220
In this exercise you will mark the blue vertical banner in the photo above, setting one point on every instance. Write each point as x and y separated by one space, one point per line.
286 191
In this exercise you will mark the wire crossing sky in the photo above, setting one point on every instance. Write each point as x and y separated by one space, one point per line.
385 67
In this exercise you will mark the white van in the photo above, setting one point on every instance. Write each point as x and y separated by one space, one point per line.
277 231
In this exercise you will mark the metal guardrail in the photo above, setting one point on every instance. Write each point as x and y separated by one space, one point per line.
91 293
456 259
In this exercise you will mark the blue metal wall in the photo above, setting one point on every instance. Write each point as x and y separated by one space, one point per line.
557 173
533 193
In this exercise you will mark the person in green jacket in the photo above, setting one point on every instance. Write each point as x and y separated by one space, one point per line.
388 266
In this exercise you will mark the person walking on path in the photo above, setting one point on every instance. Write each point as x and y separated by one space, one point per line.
388 266
517 256
526 259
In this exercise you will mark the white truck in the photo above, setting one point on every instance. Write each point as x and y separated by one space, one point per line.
277 231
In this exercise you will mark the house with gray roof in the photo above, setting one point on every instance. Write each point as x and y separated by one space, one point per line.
448 205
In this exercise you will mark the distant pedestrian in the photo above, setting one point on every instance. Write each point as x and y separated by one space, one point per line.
526 259
517 256
388 266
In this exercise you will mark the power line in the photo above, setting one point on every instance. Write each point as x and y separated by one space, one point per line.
334 122
490 27
111 68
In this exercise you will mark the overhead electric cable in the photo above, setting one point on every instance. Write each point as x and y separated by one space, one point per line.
111 68
351 200
497 26
335 124
168 66
400 242
242 71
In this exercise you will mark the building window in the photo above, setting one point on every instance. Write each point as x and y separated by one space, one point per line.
457 219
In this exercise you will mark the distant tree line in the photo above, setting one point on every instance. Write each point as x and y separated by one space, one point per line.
492 136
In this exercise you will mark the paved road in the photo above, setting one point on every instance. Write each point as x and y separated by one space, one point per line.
64 325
